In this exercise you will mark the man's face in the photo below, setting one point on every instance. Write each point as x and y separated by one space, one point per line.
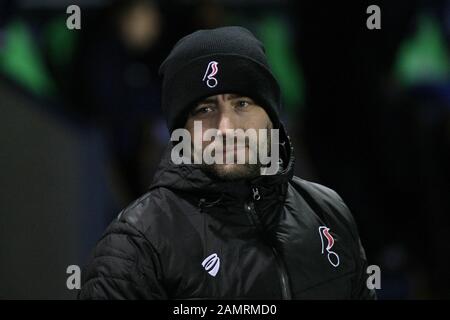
231 111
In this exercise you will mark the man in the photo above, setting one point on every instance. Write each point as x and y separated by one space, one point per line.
228 230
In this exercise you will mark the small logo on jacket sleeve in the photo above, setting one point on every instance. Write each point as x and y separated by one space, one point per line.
211 71
327 243
212 264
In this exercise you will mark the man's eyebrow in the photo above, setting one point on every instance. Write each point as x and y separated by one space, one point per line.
235 96
214 98
207 100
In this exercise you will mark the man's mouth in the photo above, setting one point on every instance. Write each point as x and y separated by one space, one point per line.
234 149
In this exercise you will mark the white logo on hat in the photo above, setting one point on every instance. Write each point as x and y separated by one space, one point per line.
209 75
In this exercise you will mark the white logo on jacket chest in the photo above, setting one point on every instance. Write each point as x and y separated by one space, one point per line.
326 237
211 264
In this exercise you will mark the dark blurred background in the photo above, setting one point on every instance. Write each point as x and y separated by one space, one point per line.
81 130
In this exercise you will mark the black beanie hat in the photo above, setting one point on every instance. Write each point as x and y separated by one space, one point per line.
217 61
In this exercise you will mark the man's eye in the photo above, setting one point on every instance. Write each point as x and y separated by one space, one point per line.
243 103
202 110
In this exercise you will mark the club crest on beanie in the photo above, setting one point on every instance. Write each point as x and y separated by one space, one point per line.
209 62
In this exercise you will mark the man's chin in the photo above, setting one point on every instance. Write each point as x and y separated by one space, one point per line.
231 172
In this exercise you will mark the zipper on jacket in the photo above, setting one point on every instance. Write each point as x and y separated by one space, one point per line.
284 282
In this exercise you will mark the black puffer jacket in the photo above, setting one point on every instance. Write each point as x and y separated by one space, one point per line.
190 237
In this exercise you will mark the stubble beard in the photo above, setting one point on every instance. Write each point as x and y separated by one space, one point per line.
234 171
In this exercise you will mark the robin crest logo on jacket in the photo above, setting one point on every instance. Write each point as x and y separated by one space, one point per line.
211 71
325 236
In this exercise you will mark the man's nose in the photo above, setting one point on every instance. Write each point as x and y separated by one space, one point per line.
225 121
